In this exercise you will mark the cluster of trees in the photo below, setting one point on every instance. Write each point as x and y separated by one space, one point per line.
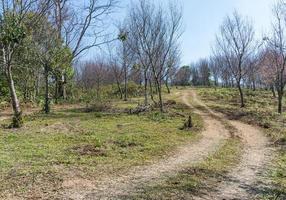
197 74
146 53
41 43
40 40
240 60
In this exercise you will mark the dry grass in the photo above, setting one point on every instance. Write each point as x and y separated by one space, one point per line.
35 159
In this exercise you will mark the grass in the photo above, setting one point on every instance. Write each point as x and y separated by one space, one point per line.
35 159
198 179
261 110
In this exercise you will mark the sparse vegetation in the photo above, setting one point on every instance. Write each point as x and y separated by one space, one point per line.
93 144
260 111
196 180
94 103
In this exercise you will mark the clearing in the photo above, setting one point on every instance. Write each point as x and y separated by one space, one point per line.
72 154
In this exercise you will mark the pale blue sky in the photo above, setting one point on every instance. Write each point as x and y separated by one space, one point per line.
202 19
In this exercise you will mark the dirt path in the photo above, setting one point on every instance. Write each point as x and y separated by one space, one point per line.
114 187
242 181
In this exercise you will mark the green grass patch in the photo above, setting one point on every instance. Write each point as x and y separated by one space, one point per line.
261 110
51 147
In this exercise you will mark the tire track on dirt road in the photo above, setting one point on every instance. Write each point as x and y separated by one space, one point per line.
243 179
111 187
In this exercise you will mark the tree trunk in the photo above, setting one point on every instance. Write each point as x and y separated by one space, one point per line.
159 90
273 91
242 105
125 71
119 89
145 88
254 86
160 99
151 91
280 92
64 88
47 99
57 87
37 86
125 83
98 89
17 118
280 97
167 86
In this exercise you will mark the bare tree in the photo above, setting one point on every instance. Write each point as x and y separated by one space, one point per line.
157 32
172 65
95 74
277 51
235 45
82 26
215 67
204 72
126 55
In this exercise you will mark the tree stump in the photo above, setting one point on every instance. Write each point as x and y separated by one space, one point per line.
188 124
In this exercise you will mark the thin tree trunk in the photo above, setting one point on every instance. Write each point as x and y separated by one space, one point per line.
151 91
167 86
280 97
57 87
125 83
17 118
280 104
125 72
64 88
145 88
119 89
254 86
98 89
242 105
159 88
273 91
47 99
37 85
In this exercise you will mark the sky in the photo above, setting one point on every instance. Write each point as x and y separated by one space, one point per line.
202 19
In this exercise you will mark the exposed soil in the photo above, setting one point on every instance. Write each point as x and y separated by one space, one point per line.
114 187
244 181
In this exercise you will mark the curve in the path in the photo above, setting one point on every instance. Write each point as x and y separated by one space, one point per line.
257 153
114 187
